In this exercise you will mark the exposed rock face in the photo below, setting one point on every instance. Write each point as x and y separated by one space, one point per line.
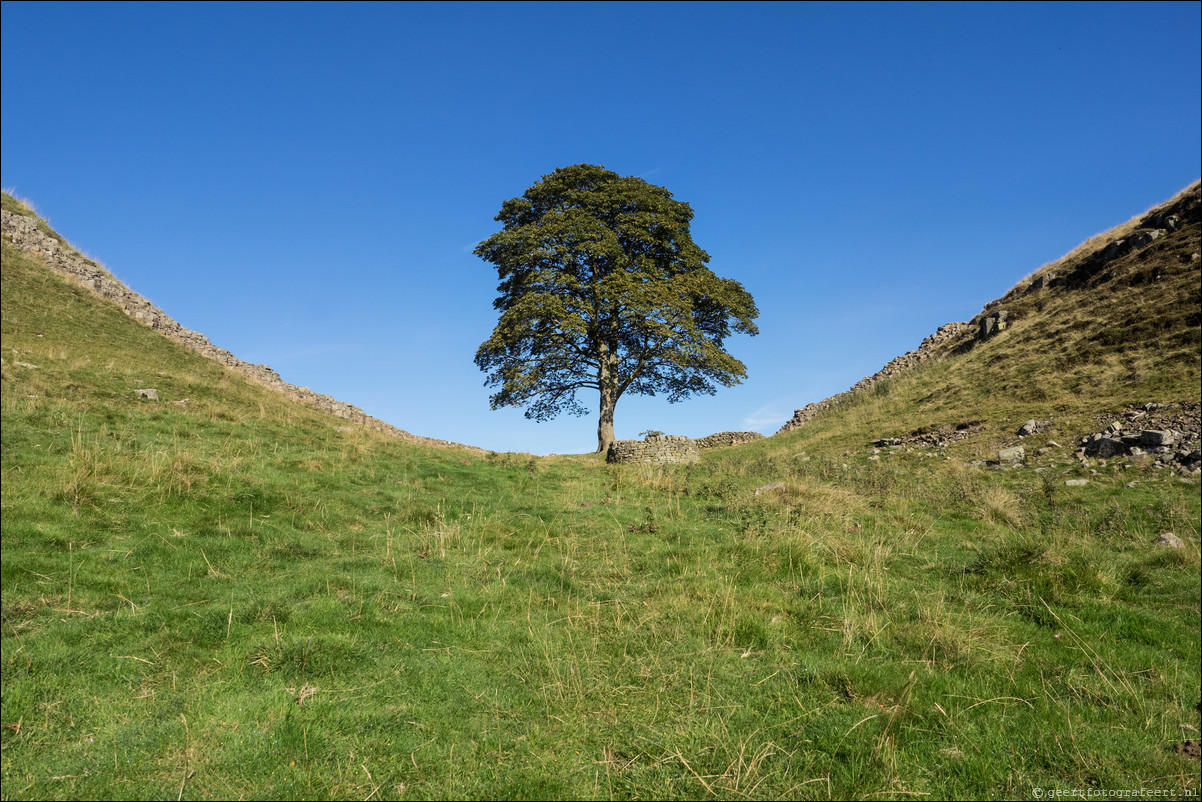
992 324
663 449
1147 230
65 261
728 439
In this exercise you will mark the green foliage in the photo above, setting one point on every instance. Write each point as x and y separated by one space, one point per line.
602 288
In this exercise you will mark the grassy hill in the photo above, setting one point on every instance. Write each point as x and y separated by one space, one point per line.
240 596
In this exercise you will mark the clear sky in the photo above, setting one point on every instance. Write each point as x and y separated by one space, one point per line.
305 183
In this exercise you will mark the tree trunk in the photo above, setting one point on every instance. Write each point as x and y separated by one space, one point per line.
605 428
607 378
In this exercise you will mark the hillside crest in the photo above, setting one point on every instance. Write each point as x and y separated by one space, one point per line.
32 236
1095 262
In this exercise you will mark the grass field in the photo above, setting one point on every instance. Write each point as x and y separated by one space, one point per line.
234 597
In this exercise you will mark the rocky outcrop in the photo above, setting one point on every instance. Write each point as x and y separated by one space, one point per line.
1166 435
1186 209
728 439
992 324
26 235
661 449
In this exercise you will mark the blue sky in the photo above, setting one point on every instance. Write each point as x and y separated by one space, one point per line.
305 183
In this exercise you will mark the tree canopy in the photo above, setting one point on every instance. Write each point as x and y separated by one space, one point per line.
602 288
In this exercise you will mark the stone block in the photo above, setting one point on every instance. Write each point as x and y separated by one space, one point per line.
1156 437
1011 456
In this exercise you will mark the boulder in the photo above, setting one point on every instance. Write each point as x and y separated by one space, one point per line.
1011 456
1029 428
991 325
1156 437
1103 447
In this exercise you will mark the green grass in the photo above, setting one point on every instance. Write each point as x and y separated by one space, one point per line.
233 597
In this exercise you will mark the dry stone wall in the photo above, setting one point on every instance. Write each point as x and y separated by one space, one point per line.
728 439
663 449
933 347
64 260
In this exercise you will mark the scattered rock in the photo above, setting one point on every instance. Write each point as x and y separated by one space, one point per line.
151 395
1076 482
1167 436
1170 540
25 365
769 488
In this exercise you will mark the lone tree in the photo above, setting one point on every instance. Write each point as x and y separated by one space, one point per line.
603 288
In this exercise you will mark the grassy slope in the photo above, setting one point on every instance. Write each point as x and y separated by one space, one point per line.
231 597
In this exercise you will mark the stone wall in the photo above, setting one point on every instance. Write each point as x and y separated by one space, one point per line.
25 234
663 449
728 439
933 347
